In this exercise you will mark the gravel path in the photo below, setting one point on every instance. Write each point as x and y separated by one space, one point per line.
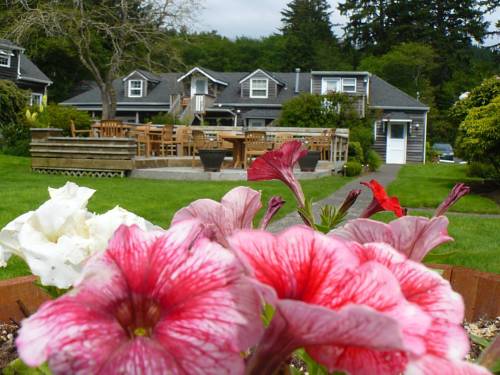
385 175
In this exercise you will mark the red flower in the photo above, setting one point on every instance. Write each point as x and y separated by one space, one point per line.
381 201
278 165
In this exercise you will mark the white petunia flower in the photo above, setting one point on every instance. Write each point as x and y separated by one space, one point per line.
57 239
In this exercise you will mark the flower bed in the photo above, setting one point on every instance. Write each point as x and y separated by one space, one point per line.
213 295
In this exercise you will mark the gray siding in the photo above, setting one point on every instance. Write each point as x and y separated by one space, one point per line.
415 139
272 87
11 72
360 84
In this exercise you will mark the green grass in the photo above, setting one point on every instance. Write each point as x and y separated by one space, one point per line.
476 242
428 185
154 200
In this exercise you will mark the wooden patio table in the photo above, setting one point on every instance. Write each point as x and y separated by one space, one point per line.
238 141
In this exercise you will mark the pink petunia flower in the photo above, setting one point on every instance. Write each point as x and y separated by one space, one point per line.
360 309
445 341
348 316
381 201
153 303
236 210
278 165
412 236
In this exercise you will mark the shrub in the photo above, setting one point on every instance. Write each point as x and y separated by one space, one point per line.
16 139
431 155
14 131
162 118
57 116
483 170
13 102
353 168
356 152
373 160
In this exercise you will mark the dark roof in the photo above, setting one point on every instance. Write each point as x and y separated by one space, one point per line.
160 93
265 72
30 71
267 113
149 76
396 116
4 43
383 94
232 95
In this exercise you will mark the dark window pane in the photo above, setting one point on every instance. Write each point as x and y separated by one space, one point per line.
397 131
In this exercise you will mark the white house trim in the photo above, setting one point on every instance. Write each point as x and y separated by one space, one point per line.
135 72
425 136
252 96
401 108
246 78
35 80
130 88
196 69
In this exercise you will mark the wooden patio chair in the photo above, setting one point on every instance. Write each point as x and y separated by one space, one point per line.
201 141
256 134
183 137
113 129
322 144
225 144
75 132
281 138
165 140
255 145
141 134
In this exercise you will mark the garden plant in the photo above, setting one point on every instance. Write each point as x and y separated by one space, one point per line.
213 295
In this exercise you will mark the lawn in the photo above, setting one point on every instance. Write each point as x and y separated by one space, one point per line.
427 185
476 242
154 200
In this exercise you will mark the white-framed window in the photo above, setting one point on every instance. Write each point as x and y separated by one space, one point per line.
135 88
348 84
259 88
5 58
330 84
36 99
256 122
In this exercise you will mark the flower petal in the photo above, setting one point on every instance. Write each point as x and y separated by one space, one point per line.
242 204
431 365
9 238
64 326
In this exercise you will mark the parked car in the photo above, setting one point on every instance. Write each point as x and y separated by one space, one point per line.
444 150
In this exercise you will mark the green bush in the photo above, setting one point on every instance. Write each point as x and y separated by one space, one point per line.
14 132
483 170
13 103
162 118
373 160
57 116
431 155
356 152
353 168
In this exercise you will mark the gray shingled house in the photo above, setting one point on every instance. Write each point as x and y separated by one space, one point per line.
255 99
16 67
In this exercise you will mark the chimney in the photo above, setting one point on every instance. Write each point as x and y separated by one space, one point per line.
297 80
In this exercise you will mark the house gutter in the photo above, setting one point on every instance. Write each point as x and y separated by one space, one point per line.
403 108
250 105
35 80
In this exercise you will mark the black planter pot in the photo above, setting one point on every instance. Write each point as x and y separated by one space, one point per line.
309 162
212 159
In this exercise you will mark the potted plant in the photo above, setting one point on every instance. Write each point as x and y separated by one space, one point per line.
309 162
212 158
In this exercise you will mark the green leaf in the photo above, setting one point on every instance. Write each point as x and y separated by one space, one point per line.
313 368
267 314
52 291
479 340
18 367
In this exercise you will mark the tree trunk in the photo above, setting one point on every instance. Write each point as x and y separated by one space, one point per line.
108 95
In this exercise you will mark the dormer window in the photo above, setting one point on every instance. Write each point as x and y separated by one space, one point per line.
5 58
135 88
348 84
259 88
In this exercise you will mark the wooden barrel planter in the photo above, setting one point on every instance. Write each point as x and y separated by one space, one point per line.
480 290
20 297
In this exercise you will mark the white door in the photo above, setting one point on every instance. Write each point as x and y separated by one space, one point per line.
396 143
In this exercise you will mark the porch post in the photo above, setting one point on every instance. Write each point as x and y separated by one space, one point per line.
137 117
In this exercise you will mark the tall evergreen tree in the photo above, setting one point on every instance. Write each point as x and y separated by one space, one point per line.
308 32
376 25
